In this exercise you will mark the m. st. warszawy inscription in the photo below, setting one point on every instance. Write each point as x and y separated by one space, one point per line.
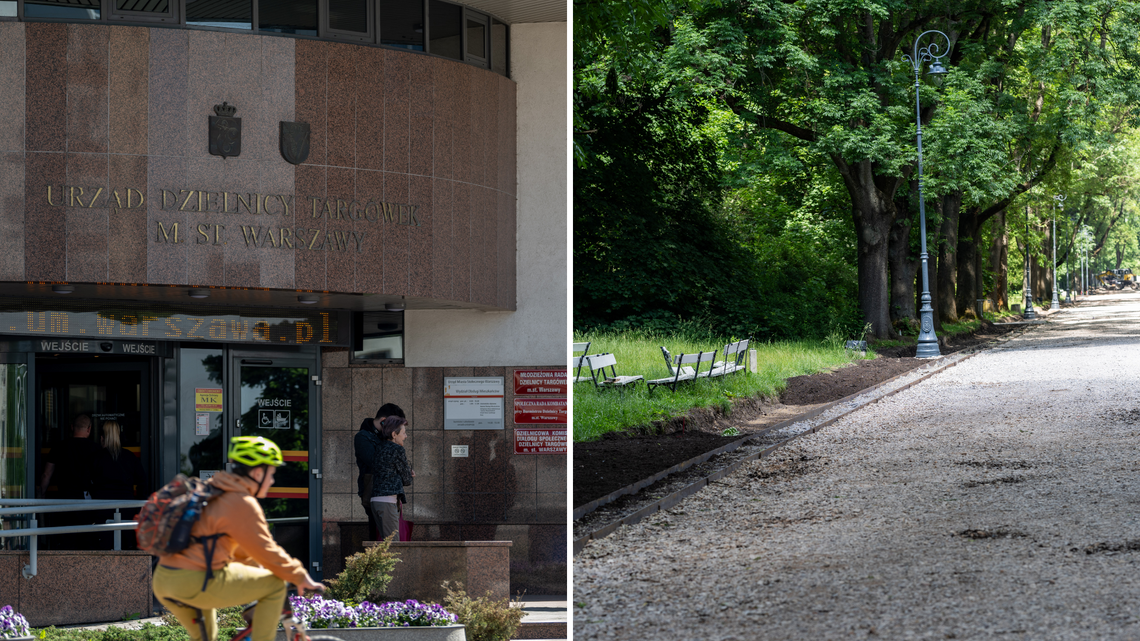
277 234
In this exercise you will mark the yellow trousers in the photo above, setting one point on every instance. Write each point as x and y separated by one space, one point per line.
235 584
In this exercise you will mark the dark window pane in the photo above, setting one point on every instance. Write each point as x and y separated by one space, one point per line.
499 47
288 16
383 336
348 15
444 29
150 6
230 14
63 9
402 24
476 39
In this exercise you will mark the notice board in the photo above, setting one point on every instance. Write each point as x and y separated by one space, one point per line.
473 403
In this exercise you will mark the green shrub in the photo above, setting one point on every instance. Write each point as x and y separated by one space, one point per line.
366 574
484 618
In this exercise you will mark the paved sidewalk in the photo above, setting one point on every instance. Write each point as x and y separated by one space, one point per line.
995 500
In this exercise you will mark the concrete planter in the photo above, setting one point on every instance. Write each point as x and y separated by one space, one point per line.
418 633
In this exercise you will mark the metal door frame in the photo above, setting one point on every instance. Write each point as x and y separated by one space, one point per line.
296 357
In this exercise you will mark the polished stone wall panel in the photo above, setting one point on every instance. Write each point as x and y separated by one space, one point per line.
12 77
397 112
310 265
167 251
311 70
46 98
45 235
339 245
370 87
341 106
87 226
126 242
12 213
168 88
461 249
390 128
442 243
128 89
87 81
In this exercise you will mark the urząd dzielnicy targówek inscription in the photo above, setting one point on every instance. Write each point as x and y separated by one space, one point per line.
248 203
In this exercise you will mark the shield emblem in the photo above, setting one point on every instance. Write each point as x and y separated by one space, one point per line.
294 141
225 131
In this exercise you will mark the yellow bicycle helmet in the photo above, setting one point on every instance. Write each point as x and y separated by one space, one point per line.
252 451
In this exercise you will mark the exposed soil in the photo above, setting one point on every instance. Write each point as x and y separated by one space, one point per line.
623 458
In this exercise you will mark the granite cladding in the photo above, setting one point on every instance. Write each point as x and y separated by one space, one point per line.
491 494
407 188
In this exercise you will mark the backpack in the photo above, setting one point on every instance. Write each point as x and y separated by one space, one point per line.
169 514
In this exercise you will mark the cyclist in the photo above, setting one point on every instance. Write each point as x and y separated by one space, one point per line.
220 567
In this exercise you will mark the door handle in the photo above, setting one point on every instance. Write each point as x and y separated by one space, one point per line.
256 361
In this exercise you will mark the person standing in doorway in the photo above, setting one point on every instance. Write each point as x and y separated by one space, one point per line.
117 474
366 444
69 467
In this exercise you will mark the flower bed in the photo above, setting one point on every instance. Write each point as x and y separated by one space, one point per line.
13 625
316 612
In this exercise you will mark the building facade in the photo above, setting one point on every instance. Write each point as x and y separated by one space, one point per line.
241 217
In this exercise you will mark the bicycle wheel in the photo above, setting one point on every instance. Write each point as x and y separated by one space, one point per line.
318 637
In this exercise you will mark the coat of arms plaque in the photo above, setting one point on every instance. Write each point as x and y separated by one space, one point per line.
225 131
294 141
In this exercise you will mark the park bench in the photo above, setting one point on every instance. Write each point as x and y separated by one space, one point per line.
599 363
685 371
576 362
734 356
681 373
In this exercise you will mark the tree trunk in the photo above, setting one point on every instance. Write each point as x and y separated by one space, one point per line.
999 262
946 306
1119 256
969 260
873 211
903 266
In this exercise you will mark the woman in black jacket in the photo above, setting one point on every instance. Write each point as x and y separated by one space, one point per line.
390 473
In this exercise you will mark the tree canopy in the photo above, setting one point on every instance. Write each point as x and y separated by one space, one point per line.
754 163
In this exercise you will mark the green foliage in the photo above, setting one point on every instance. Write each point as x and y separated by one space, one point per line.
148 632
365 574
484 618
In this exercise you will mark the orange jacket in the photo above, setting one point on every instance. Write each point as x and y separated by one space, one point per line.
238 515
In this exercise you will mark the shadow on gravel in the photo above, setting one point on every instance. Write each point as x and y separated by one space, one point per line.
999 533
997 465
1101 548
1003 480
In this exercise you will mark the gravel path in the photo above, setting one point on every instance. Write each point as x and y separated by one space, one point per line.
996 500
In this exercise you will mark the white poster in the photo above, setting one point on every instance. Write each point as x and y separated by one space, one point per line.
473 403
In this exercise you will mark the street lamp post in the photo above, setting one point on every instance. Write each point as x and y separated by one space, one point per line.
1029 313
1059 199
927 340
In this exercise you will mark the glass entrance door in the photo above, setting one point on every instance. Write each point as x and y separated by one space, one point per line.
274 398
227 392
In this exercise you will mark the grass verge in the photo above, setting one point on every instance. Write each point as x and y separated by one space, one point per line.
637 352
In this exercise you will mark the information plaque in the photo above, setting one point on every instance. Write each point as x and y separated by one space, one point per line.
540 411
473 403
529 440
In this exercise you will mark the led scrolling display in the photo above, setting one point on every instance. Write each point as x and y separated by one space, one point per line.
226 326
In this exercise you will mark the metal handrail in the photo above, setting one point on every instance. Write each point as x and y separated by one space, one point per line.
35 506
72 506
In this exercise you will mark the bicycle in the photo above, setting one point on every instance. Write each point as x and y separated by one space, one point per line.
294 630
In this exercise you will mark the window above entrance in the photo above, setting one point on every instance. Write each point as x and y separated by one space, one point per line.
436 27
